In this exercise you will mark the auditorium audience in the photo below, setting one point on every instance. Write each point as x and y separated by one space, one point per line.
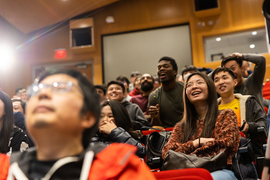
115 126
101 91
204 130
250 115
62 115
187 70
18 105
166 102
12 138
147 85
253 84
133 75
137 87
157 82
126 84
116 91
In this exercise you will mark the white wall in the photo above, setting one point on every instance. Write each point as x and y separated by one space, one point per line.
140 51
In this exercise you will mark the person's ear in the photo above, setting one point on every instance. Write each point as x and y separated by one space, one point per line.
88 120
235 82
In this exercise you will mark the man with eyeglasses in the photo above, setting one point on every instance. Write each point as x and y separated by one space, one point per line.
62 115
147 86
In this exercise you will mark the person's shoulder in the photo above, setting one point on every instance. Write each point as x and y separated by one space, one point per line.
180 83
226 115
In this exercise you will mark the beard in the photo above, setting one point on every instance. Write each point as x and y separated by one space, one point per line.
147 87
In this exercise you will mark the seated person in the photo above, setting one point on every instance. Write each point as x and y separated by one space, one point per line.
166 102
147 86
137 87
204 130
62 116
246 107
187 70
252 85
116 91
115 126
18 105
101 91
12 138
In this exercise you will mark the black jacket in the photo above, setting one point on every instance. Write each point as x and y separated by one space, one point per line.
119 135
136 115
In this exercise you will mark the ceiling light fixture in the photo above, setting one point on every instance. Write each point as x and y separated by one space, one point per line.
254 33
252 46
218 39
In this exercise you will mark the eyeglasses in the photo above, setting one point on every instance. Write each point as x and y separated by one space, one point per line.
199 82
58 87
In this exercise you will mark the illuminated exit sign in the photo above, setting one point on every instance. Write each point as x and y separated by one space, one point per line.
60 53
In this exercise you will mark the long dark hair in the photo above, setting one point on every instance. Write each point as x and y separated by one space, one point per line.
120 114
7 122
190 114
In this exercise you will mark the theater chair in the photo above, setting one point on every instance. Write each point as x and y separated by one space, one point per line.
183 174
266 169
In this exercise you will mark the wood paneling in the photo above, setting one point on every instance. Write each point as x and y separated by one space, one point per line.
133 15
30 15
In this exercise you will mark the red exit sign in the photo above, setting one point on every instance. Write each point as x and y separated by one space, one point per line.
60 53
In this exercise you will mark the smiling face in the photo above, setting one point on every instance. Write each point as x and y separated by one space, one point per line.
56 112
115 92
166 72
224 83
236 69
196 90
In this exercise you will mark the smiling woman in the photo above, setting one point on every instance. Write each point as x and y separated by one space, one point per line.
204 131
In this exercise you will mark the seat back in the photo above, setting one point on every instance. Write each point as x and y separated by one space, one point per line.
179 174
266 169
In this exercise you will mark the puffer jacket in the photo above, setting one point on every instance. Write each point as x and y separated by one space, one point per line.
119 135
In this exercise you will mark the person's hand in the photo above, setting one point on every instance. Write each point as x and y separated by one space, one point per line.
154 111
237 55
245 129
205 140
106 127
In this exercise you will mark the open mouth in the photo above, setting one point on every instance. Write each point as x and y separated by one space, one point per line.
162 75
222 88
196 93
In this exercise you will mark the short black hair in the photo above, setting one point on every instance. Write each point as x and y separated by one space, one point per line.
123 78
232 58
91 99
222 69
17 90
23 103
187 68
118 83
172 61
101 87
135 73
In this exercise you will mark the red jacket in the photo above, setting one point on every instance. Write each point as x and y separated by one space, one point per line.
117 161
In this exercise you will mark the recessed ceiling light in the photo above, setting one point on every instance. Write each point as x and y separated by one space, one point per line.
252 46
254 33
218 39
